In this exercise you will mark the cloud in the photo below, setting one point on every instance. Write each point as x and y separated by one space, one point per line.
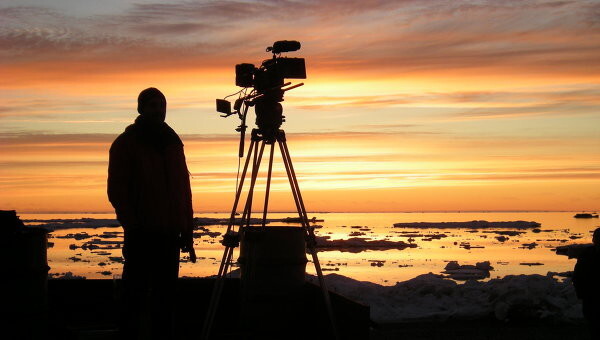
41 164
25 139
45 106
554 109
469 105
389 37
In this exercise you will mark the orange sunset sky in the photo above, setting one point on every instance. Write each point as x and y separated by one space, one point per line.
408 105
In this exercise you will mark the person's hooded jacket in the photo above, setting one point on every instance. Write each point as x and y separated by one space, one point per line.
148 180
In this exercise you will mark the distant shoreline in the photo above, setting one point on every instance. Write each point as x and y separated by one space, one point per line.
338 212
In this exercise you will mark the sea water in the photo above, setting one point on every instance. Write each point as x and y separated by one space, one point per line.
531 252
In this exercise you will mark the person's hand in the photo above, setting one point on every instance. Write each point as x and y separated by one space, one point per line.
187 246
192 253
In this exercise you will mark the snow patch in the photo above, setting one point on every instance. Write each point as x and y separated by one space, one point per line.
431 297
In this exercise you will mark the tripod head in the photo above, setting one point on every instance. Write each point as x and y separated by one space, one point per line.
263 88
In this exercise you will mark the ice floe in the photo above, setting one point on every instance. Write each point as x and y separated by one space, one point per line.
480 270
531 245
506 232
202 231
467 245
477 224
207 221
67 275
97 243
118 259
502 238
76 236
53 224
78 259
357 245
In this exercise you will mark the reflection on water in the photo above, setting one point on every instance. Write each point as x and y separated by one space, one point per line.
96 253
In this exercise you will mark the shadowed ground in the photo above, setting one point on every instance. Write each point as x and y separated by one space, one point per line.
87 309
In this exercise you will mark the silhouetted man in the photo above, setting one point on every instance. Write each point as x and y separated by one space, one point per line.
587 284
149 187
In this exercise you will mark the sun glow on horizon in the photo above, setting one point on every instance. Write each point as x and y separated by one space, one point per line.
406 107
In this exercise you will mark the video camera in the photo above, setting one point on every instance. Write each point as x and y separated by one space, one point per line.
267 86
271 73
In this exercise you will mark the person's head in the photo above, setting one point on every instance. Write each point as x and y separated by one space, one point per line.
596 237
152 104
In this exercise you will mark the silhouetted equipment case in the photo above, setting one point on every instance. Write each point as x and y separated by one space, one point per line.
24 287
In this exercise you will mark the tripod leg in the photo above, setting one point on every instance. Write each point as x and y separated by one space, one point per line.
287 160
285 151
238 192
266 207
292 186
228 253
216 293
235 204
255 167
247 209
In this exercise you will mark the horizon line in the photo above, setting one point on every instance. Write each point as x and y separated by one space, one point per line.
333 212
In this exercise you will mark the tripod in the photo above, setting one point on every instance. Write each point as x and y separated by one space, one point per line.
231 238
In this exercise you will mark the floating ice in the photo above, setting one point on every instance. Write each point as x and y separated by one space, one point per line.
470 224
480 270
77 236
357 245
53 224
202 231
67 275
529 245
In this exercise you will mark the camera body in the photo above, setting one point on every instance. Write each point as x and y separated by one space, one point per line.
267 83
270 74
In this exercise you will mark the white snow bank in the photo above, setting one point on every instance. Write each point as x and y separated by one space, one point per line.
430 297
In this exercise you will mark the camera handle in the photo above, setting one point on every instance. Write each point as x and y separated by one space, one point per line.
242 130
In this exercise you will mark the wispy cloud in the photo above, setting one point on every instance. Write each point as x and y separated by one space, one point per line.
469 105
397 36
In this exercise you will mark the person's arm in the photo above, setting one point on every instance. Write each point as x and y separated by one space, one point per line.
579 277
187 232
120 175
